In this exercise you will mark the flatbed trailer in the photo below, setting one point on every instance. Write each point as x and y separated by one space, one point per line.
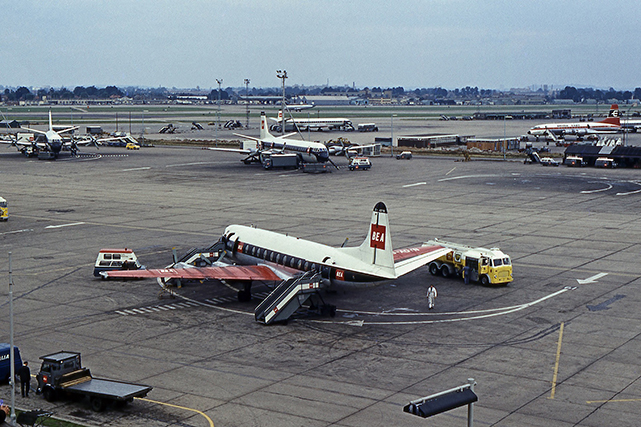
62 374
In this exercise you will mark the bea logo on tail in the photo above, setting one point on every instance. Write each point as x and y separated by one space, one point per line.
378 237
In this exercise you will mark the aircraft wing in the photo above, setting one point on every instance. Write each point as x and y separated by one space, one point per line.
247 137
409 259
232 272
232 150
34 130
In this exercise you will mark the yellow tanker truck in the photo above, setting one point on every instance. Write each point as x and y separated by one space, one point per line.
487 266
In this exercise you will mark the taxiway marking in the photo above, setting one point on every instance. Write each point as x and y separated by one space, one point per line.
556 364
65 225
137 169
597 191
211 423
188 164
591 279
481 314
414 185
17 231
467 176
612 400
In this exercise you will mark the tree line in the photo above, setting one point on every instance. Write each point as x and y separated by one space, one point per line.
92 92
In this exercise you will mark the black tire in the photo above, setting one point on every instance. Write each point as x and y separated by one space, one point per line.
485 281
98 404
433 267
49 394
445 271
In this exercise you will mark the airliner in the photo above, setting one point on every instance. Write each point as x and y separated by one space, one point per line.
51 142
299 107
611 124
307 151
317 124
256 254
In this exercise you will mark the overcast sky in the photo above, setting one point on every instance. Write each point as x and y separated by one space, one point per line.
409 43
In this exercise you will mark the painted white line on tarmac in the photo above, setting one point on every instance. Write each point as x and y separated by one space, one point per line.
136 169
65 225
466 176
414 185
597 191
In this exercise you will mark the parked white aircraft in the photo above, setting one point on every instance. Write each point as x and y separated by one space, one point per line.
318 124
50 142
611 124
299 107
307 151
255 254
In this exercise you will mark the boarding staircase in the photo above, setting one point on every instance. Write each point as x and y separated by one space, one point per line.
201 256
289 296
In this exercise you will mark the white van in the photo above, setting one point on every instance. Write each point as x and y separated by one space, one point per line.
116 259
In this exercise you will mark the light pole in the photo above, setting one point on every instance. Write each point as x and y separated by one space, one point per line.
12 356
282 74
220 82
247 101
392 137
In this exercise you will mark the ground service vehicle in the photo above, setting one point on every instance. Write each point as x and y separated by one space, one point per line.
279 160
574 161
605 162
5 364
360 163
404 155
115 259
4 209
62 374
132 146
487 266
367 127
548 161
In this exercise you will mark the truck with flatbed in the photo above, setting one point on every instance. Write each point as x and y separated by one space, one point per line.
62 374
486 266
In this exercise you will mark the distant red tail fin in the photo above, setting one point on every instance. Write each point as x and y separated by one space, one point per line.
613 116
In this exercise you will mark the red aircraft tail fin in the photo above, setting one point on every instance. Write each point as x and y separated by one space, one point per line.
613 116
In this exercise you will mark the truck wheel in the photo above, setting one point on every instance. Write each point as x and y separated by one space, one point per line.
485 281
445 271
433 269
49 394
98 404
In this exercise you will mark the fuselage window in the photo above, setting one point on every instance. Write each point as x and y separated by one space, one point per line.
285 259
278 257
306 267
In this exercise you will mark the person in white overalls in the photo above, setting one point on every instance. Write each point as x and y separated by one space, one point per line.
431 295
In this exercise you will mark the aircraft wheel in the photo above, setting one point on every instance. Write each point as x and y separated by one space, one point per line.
433 269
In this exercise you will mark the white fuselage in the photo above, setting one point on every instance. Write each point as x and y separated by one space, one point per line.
574 128
253 245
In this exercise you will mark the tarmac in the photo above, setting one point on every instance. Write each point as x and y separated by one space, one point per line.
557 346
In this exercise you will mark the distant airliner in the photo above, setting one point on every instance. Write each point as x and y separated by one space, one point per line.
307 151
611 124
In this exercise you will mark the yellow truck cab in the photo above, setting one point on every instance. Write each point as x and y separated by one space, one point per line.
487 266
4 210
116 259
